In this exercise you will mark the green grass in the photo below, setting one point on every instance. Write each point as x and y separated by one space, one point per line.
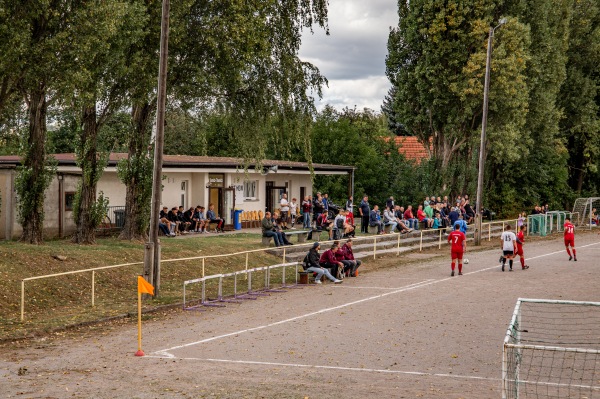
66 300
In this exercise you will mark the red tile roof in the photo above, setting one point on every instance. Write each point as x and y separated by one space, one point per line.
412 148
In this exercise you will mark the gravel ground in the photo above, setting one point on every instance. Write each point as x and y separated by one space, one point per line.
407 331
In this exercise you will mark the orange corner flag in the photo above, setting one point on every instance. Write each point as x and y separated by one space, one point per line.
144 287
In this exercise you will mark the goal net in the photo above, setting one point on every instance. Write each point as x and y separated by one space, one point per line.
584 209
552 350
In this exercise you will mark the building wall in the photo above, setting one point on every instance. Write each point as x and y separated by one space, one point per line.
196 193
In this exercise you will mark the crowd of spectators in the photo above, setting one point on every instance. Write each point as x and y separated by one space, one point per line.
176 221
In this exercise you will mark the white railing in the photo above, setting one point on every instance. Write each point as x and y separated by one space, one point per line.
282 250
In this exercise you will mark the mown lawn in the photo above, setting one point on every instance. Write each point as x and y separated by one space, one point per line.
66 300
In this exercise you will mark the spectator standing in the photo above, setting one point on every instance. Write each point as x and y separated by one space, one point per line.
390 203
317 207
285 211
365 212
306 208
350 205
453 216
293 211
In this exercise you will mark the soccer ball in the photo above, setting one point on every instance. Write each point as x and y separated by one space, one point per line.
465 261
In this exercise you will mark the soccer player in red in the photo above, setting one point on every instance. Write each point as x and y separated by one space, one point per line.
459 246
570 239
520 242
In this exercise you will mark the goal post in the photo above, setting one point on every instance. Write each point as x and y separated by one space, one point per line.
552 350
584 207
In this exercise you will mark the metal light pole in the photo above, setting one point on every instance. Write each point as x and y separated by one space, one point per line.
152 249
486 89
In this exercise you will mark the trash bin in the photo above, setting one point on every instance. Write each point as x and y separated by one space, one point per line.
119 218
237 215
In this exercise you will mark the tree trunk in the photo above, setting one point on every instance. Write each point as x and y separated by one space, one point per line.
88 154
137 197
35 161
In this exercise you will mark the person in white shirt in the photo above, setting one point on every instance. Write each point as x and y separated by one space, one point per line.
293 211
285 211
509 244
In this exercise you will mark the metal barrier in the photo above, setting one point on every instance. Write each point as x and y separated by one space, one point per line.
203 259
236 297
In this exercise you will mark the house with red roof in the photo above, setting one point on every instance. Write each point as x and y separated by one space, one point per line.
412 148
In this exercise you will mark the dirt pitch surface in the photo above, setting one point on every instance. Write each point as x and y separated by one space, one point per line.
405 332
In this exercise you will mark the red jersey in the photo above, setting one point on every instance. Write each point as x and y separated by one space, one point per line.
520 238
457 238
569 231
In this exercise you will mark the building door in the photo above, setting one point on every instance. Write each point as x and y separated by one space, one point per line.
224 201
274 194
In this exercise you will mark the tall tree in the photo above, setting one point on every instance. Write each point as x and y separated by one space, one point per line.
580 98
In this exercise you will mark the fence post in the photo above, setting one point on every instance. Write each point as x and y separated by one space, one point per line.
421 242
440 245
490 231
503 226
22 300
246 275
283 255
93 286
374 247
398 252
203 267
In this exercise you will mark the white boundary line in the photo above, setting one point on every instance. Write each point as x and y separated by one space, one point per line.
385 371
165 352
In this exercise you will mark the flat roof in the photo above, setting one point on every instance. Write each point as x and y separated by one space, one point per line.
188 161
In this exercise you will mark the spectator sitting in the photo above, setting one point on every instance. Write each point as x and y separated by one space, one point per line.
469 212
398 214
329 261
339 222
389 219
325 224
165 228
277 226
184 224
269 230
453 216
350 222
410 218
341 257
422 216
429 211
349 256
348 227
311 265
212 217
172 216
197 219
375 219
188 218
164 218
437 221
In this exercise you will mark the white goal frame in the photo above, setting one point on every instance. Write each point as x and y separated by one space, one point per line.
512 343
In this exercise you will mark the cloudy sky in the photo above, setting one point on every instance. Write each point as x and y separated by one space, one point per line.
352 57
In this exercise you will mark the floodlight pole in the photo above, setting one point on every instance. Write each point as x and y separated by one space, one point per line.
486 89
152 249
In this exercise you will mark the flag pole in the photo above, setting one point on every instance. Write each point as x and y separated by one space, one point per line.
140 352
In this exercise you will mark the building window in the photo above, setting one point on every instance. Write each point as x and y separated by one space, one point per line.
69 201
251 190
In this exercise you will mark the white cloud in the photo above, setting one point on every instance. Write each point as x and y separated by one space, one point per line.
352 57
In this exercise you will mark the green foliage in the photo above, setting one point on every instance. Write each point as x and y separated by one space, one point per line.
30 188
138 171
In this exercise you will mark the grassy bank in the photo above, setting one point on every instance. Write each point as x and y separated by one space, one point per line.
66 300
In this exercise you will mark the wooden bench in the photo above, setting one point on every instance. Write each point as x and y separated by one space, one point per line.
305 277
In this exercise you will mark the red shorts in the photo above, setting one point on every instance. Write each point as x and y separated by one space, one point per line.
519 251
569 241
457 255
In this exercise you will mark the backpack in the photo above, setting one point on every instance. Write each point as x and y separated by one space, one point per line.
340 223
305 262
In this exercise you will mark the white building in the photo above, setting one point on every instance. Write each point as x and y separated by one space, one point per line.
188 181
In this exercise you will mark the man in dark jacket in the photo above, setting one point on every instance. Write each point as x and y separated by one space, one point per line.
329 261
268 230
311 265
365 212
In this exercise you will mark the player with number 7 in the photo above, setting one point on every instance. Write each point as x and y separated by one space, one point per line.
459 246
